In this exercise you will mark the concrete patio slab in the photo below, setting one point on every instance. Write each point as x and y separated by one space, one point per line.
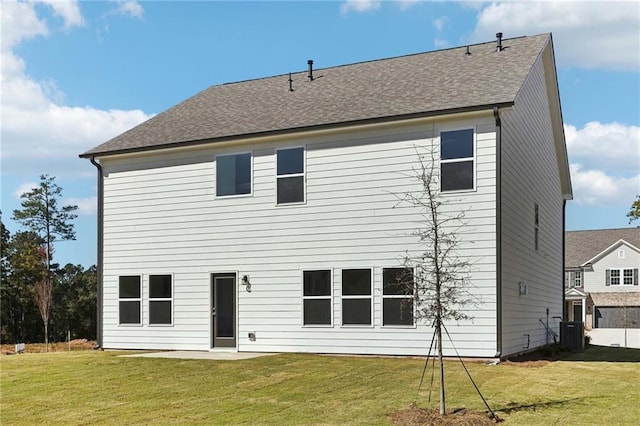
214 355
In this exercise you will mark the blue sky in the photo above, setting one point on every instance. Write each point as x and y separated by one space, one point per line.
75 74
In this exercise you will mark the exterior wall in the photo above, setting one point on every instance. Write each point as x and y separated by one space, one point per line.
530 176
161 216
595 281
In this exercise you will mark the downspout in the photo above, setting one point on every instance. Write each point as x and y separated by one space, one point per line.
564 308
99 292
496 116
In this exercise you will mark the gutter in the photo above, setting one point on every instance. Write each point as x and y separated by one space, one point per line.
280 132
99 266
496 115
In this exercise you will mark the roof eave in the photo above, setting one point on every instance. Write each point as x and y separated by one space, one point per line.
231 138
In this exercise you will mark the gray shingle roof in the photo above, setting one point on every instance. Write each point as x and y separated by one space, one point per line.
582 246
401 87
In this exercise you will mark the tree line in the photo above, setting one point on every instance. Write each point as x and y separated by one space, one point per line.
39 299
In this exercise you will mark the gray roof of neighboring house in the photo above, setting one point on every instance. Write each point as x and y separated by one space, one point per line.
416 85
582 246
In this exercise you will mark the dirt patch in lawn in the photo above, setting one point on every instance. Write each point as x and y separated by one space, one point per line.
414 416
539 357
74 345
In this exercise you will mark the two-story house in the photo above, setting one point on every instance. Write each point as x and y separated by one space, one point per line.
601 283
263 215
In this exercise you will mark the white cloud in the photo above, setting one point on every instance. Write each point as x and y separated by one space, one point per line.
611 146
86 206
440 23
129 8
441 43
62 132
589 35
605 163
19 21
359 6
24 188
595 187
69 11
406 4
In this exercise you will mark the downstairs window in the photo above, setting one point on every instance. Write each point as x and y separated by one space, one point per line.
129 300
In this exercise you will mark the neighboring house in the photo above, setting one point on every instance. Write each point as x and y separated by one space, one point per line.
263 215
601 281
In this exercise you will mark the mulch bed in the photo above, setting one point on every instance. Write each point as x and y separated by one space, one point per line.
414 416
75 345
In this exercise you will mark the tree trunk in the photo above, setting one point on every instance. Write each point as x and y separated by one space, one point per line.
46 337
443 407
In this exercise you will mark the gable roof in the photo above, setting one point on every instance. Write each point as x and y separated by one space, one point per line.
418 85
583 246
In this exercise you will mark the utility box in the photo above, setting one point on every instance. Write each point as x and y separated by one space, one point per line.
572 335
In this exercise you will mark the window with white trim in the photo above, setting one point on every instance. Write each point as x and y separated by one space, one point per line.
160 299
577 279
316 297
129 300
614 277
621 276
397 297
356 297
457 160
290 175
233 174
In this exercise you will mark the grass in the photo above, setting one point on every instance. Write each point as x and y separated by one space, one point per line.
101 387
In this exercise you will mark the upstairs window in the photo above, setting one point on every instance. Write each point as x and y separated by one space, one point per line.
316 297
397 297
620 276
290 175
577 279
160 299
613 277
457 160
356 297
233 174
129 300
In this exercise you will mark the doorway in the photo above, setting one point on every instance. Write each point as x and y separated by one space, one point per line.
223 310
577 311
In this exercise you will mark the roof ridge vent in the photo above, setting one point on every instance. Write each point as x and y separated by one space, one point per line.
310 73
499 47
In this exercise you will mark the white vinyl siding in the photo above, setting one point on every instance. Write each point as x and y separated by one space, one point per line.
162 216
595 280
530 182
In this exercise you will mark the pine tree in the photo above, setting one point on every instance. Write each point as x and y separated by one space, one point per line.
41 215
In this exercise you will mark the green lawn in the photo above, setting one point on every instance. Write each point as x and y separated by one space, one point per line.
101 387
